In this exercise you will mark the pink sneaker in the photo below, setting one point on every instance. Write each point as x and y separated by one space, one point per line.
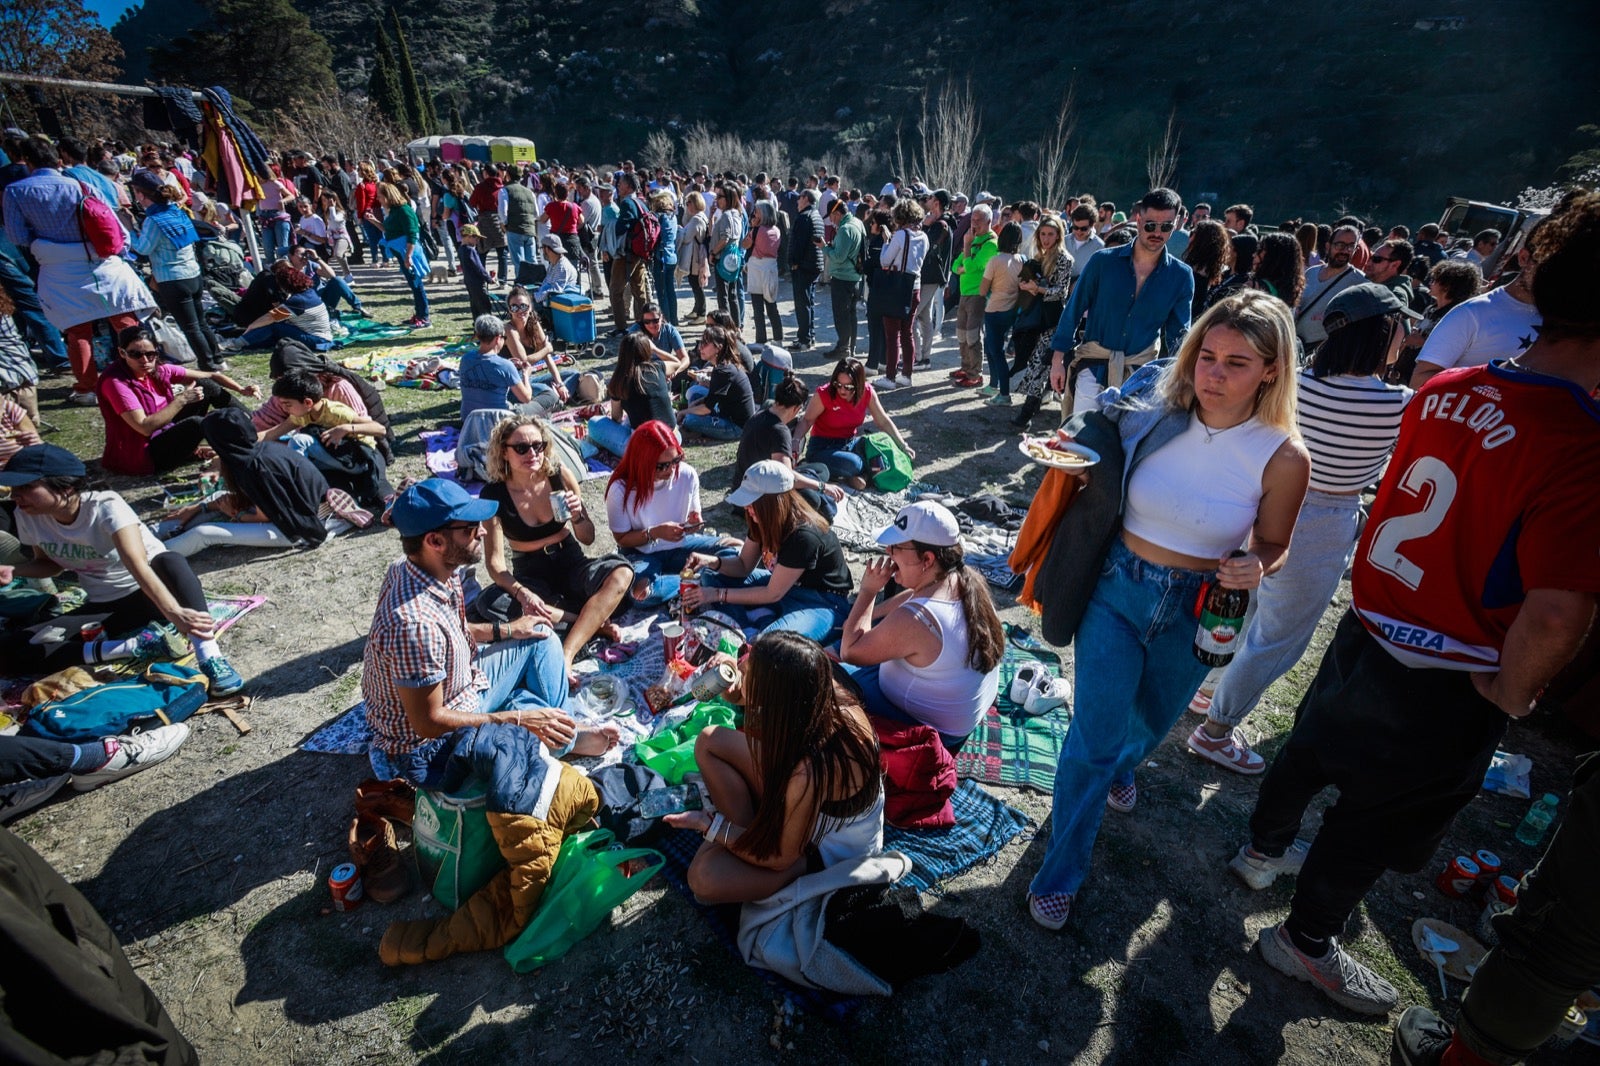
1231 751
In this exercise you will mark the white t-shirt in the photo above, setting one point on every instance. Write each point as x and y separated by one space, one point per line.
673 502
1495 325
86 547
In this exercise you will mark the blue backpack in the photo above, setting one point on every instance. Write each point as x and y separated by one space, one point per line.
165 694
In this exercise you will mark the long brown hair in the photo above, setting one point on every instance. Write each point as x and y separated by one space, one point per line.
775 516
793 718
986 637
632 357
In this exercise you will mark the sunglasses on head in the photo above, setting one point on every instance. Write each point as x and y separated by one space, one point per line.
1164 227
526 447
668 464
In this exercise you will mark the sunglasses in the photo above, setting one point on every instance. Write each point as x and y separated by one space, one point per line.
146 354
1085 228
456 527
849 385
651 321
520 307
526 447
1164 227
1381 259
668 464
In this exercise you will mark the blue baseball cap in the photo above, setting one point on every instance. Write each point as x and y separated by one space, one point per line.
40 461
428 505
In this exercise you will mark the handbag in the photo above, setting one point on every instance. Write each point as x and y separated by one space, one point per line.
171 342
731 262
894 293
889 466
588 882
670 752
99 225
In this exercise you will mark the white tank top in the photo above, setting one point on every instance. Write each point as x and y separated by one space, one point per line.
946 694
1198 494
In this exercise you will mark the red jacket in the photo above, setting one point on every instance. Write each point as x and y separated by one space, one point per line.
919 775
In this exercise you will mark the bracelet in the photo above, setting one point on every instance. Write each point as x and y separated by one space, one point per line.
718 825
496 632
722 596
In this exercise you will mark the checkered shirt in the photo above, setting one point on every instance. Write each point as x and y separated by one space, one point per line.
418 638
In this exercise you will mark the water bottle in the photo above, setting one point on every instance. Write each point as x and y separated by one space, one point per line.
1540 815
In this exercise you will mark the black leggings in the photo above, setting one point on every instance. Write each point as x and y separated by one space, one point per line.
181 300
174 446
698 287
124 617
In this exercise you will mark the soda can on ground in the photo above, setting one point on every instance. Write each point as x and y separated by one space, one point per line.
1457 877
344 883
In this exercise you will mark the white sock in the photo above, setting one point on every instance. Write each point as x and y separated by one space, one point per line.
205 649
105 651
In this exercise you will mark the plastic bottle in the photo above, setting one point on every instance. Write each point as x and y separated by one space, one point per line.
1221 623
1533 828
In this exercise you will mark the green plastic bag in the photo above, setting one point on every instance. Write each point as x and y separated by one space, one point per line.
891 467
587 884
670 752
456 851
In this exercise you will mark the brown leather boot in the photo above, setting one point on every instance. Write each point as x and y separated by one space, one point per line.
376 853
395 800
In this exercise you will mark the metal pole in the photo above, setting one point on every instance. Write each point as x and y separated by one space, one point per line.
246 224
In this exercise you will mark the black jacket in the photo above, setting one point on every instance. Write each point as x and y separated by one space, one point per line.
804 252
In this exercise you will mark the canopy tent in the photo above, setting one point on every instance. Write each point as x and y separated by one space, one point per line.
453 149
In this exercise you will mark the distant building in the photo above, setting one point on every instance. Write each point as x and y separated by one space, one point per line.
1442 22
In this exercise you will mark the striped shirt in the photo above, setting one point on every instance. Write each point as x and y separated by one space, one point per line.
1349 424
418 638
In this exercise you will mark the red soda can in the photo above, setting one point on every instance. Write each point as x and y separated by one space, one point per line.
1488 868
91 631
1457 878
345 885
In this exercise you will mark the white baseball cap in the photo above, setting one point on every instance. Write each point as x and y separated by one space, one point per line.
925 522
766 478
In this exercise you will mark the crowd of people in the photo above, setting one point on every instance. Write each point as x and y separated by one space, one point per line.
1253 383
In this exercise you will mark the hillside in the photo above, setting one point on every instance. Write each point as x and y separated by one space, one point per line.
1299 109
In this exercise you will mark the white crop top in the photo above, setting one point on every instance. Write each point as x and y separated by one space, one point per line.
1199 496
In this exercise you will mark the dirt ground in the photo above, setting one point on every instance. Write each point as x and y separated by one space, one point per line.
213 868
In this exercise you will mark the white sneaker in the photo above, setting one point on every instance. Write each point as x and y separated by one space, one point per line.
1259 871
1050 694
1022 684
886 384
134 753
83 399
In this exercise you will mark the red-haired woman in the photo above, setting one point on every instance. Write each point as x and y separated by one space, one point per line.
653 508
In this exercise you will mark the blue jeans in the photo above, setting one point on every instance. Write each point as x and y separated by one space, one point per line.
374 235
275 242
522 674
1134 672
835 453
818 615
666 289
270 334
662 568
335 289
1290 603
19 285
996 324
866 678
524 248
610 435
714 426
311 446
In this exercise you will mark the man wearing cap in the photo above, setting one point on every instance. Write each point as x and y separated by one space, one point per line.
1474 582
805 265
560 275
427 670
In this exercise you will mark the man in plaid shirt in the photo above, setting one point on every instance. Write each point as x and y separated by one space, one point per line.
424 671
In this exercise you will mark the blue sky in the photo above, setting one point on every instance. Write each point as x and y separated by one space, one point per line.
108 11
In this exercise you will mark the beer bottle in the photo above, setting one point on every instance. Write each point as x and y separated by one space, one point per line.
1221 622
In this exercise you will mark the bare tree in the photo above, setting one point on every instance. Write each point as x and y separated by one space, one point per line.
659 149
345 124
728 151
949 151
1161 161
1053 169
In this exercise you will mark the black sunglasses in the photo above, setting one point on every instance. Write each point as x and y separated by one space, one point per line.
669 464
1085 228
651 321
524 447
151 354
456 527
1164 227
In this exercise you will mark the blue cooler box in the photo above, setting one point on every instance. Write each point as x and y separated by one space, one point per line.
572 316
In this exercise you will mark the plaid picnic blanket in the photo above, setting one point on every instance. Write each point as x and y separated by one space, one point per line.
1009 749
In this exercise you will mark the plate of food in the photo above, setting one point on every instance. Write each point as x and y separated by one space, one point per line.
1058 452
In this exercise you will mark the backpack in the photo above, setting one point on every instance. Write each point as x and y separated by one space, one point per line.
644 234
101 229
889 467
165 694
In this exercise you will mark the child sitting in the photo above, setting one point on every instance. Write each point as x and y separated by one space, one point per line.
345 449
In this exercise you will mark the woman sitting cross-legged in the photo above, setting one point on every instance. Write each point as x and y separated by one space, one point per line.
533 552
152 424
797 790
930 654
135 586
275 498
834 417
808 587
653 509
720 408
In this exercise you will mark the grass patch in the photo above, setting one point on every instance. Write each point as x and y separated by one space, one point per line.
345 688
404 1011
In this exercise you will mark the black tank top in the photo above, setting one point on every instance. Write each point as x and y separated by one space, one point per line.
511 520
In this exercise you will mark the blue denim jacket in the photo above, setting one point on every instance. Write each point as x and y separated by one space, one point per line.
1119 320
1144 422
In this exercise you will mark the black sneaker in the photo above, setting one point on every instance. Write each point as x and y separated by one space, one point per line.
1420 1038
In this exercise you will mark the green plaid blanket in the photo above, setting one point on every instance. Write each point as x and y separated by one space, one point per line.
1009 749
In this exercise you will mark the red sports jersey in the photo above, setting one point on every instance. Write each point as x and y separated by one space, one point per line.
1492 491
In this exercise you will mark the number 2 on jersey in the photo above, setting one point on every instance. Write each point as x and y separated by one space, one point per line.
1437 481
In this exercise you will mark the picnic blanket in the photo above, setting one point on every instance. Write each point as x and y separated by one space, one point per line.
1007 748
389 364
983 826
360 330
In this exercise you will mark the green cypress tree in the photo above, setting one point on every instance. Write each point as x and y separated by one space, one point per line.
431 107
455 120
411 92
383 89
